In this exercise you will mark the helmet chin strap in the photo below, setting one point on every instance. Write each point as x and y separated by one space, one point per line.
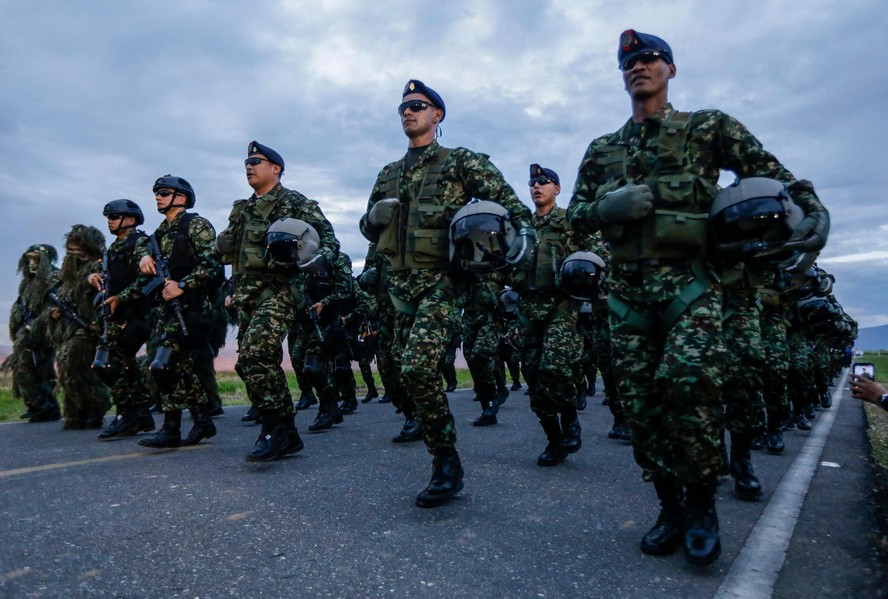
122 228
170 205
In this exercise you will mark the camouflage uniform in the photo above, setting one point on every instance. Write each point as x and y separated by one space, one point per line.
268 301
128 328
775 340
428 296
669 367
188 245
383 323
86 398
481 338
31 361
551 341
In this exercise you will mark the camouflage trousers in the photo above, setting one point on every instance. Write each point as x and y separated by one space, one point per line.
129 391
776 347
822 368
481 336
260 352
85 395
551 347
33 376
742 387
800 378
420 342
669 380
601 340
389 371
188 393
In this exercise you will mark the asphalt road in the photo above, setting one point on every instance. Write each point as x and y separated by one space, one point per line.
83 518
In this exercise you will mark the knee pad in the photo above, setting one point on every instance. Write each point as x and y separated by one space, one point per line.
163 369
104 367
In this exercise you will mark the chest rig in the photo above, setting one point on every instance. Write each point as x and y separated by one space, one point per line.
120 264
252 222
418 235
554 244
676 227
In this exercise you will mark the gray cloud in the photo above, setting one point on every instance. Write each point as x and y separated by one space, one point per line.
100 99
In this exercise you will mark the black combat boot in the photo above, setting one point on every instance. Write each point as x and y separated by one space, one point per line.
145 419
489 411
449 372
668 532
554 453
758 440
701 543
27 413
411 431
271 441
372 393
570 431
774 440
156 408
801 422
826 400
809 411
216 410
291 435
203 427
169 435
326 418
48 413
348 405
447 479
252 415
306 401
746 485
620 429
121 426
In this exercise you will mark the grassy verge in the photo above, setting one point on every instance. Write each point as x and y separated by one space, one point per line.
231 388
877 418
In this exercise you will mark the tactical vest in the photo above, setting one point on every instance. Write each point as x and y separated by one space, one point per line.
676 227
183 257
419 234
120 268
552 248
253 223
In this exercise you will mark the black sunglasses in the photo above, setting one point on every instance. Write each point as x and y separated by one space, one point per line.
254 160
114 216
646 58
164 193
413 105
541 180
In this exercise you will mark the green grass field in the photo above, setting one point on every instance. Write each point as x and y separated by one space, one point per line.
877 418
231 388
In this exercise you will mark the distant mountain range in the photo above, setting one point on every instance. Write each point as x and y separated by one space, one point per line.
872 338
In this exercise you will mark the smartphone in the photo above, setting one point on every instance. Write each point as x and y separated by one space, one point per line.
865 369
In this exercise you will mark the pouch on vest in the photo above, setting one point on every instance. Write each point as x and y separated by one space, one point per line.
429 247
388 237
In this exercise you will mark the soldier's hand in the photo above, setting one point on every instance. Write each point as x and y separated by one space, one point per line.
318 307
55 313
146 265
171 290
382 212
522 249
112 303
630 202
95 279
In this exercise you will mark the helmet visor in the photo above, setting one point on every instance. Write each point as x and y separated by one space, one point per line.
480 238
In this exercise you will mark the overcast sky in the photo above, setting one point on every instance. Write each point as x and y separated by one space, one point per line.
98 99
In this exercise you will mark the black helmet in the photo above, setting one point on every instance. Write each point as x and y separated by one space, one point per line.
480 236
178 184
507 302
752 218
581 275
293 244
124 208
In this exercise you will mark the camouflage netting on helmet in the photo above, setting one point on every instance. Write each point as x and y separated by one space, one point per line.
90 239
48 257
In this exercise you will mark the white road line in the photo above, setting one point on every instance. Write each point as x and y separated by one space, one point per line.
110 458
754 572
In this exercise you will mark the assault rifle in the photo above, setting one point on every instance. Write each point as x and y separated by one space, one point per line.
102 297
163 270
314 317
69 310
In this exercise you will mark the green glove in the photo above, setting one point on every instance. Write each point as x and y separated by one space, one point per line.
630 202
382 212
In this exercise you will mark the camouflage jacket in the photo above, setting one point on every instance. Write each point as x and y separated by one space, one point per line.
202 267
464 175
264 210
715 141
